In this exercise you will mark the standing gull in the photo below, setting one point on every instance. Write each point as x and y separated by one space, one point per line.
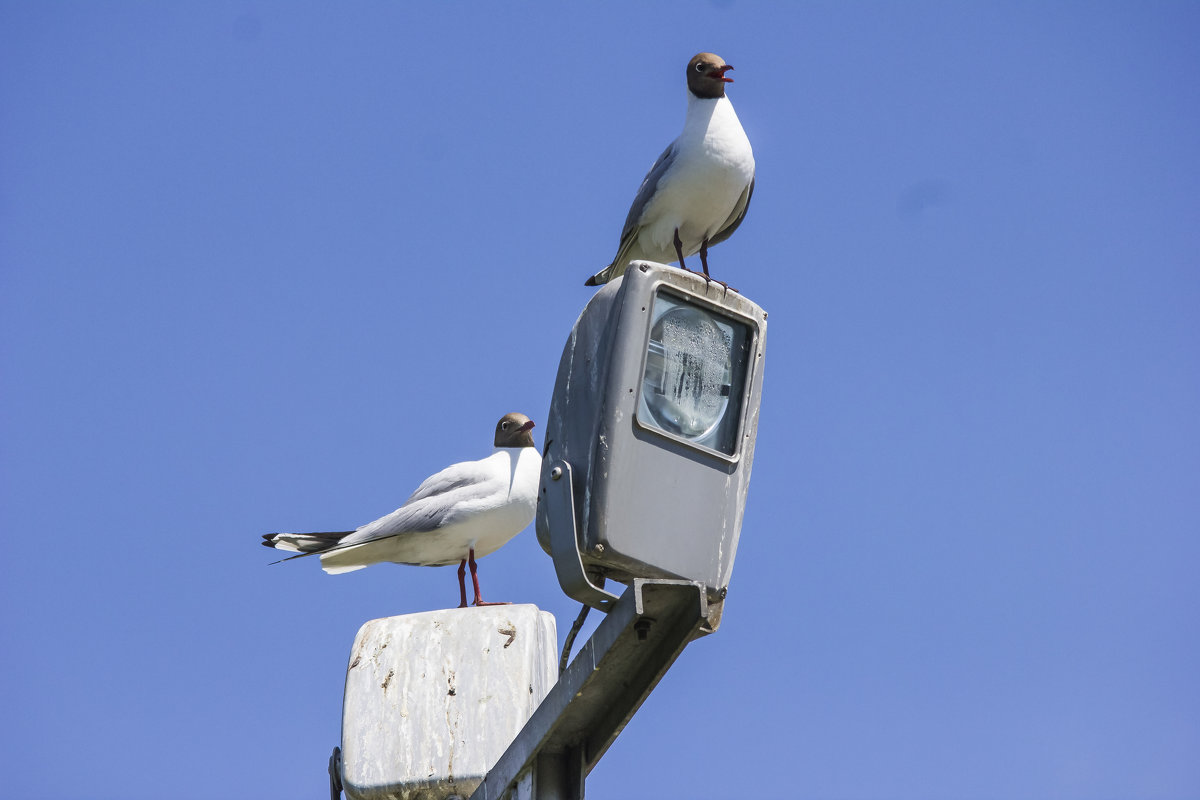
466 510
698 191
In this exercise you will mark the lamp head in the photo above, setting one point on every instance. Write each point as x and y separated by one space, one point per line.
654 414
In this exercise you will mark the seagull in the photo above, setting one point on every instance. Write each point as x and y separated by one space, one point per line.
698 190
466 510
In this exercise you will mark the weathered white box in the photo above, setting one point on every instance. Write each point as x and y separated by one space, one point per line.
433 699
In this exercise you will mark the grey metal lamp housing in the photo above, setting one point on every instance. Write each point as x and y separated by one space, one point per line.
650 435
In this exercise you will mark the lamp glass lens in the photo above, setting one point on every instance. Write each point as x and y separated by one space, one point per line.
695 373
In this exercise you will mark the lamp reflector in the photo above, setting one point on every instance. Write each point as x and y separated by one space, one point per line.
694 375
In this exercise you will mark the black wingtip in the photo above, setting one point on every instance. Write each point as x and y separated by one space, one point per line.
591 281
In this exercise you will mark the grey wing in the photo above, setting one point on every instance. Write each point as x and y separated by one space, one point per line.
735 217
633 219
647 189
436 502
446 481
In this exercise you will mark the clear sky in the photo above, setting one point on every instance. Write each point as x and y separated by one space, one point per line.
265 266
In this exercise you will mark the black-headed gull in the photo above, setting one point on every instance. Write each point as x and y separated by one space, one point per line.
697 193
466 510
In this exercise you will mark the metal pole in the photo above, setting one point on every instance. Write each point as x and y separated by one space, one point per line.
604 686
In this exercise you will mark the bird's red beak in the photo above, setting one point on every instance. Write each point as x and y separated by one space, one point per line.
526 426
719 73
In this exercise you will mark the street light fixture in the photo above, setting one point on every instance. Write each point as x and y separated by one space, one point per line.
650 435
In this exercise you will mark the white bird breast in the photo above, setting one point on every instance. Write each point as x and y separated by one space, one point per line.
713 165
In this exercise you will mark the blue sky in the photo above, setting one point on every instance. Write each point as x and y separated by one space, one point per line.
265 266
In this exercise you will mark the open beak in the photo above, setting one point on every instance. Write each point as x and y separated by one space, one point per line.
719 73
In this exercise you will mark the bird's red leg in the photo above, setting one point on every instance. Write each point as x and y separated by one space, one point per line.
479 601
462 583
679 251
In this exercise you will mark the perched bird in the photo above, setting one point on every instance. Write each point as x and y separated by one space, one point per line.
466 510
697 193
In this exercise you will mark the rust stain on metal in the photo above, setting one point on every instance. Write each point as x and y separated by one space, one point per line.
511 633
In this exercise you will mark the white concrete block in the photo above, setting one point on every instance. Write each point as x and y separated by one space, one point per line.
433 699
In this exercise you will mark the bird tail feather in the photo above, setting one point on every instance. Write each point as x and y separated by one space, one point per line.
600 277
629 251
304 543
335 556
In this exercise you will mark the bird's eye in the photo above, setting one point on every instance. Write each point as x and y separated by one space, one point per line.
700 67
503 426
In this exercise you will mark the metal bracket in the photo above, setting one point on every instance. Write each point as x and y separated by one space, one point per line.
335 774
564 542
627 655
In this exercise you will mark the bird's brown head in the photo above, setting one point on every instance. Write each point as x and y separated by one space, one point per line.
706 75
514 430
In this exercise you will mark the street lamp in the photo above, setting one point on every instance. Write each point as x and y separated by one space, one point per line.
650 435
